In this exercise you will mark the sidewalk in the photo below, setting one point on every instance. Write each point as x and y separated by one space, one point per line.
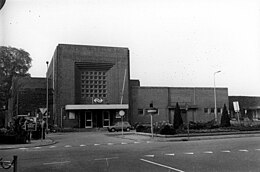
34 143
138 136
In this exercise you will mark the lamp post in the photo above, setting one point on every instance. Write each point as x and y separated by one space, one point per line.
215 97
47 97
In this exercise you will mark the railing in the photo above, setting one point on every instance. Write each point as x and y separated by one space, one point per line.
8 164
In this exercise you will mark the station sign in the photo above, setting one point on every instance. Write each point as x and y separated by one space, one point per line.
98 100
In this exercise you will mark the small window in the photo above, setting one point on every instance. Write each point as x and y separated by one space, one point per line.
205 110
72 115
212 110
140 112
219 110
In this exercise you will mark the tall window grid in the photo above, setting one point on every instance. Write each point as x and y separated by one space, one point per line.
93 84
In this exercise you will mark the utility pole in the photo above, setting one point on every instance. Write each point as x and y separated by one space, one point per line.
215 98
47 98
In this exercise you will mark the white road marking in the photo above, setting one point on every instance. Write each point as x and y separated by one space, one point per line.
149 156
123 143
226 151
161 165
110 143
96 144
243 150
52 146
136 142
67 146
23 148
170 154
208 152
148 142
51 163
37 148
82 145
189 153
99 159
257 149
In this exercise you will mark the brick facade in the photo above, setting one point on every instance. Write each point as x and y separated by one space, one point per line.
196 100
65 71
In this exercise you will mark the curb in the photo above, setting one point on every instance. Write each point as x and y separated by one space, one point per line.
29 145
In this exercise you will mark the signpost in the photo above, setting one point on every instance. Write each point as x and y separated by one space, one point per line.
31 126
236 109
152 111
122 113
188 122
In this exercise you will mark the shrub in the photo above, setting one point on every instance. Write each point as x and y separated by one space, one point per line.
225 119
177 117
143 128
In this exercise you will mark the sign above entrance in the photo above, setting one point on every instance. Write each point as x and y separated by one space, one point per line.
98 100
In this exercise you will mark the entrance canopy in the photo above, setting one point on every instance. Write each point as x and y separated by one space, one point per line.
96 106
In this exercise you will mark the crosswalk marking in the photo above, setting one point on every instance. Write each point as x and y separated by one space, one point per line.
82 145
226 151
37 147
67 146
170 154
23 148
189 153
243 150
209 152
123 143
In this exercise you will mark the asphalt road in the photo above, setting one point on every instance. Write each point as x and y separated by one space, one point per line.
96 152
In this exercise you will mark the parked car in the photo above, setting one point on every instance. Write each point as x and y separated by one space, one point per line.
118 127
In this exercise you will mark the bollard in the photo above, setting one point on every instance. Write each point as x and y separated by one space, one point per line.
15 163
8 164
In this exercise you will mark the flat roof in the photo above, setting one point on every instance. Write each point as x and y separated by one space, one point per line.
96 106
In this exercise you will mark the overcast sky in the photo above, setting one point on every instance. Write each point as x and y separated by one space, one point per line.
175 43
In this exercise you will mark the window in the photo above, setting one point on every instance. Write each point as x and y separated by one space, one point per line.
212 110
72 115
93 82
219 110
206 110
140 111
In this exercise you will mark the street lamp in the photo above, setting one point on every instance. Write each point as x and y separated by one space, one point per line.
47 97
215 97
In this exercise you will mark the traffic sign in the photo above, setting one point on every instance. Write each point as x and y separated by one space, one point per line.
43 110
121 113
152 110
31 126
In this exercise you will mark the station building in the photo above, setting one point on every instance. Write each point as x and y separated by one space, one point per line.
90 85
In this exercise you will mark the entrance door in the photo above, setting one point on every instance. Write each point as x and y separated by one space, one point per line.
88 122
106 118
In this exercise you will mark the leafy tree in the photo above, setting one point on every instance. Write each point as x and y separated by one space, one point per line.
177 117
225 119
13 63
